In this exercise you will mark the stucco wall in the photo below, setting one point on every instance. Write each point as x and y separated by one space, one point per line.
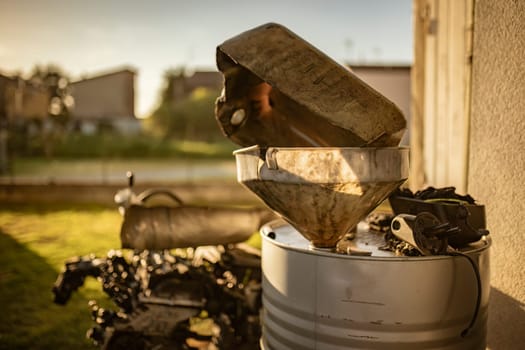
497 158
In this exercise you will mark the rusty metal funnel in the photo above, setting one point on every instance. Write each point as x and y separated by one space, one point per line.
322 192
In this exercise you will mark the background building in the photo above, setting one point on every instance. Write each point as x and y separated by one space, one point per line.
23 107
105 100
21 101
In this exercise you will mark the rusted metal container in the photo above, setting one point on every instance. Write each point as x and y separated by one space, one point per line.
163 227
281 91
323 192
315 299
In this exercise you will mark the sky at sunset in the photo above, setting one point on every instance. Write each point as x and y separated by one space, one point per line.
88 37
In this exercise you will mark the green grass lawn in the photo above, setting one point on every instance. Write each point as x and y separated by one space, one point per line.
34 244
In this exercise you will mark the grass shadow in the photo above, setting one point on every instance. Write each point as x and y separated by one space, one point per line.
29 319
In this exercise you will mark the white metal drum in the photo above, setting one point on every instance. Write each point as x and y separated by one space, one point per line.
314 299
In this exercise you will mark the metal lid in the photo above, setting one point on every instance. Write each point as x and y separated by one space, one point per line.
364 240
281 91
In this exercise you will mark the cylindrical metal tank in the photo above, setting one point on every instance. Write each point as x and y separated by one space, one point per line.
313 299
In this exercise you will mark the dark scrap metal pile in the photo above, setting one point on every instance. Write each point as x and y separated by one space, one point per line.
380 222
210 297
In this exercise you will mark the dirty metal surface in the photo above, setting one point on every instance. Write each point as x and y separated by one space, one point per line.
315 299
163 227
322 192
281 91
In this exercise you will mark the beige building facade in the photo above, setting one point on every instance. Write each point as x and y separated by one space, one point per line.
468 127
105 99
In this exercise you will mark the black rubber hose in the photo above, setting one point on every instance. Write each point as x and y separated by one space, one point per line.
465 332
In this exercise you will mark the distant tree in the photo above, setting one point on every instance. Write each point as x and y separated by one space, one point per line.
188 118
56 82
170 76
53 78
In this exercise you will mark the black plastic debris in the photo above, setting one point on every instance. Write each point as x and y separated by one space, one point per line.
457 210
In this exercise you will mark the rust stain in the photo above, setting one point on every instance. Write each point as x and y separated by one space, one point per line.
362 302
362 336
